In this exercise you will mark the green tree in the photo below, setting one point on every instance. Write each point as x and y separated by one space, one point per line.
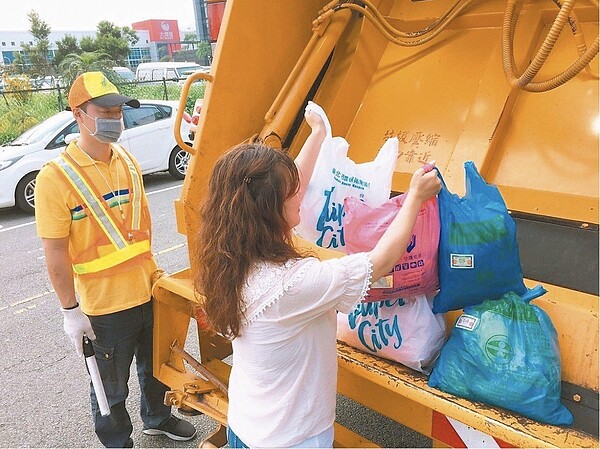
74 65
19 64
204 51
110 39
115 41
88 44
190 40
65 46
38 52
21 87
163 53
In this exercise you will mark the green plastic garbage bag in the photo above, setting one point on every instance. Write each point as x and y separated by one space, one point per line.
505 353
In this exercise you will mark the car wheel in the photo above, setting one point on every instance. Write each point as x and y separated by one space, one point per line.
178 163
24 193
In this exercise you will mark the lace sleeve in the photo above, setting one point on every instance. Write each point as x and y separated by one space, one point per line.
297 291
356 280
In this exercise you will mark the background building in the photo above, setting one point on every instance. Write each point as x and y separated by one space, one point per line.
156 37
11 43
163 36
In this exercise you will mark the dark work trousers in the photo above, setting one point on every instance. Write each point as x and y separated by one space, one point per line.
119 337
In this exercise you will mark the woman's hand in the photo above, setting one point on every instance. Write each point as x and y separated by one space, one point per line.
307 157
315 121
425 184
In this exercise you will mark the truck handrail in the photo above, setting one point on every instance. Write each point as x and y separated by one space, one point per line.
182 101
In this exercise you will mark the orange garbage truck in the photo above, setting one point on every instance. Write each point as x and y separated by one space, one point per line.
511 85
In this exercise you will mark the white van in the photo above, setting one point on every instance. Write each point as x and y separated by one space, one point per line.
125 73
158 71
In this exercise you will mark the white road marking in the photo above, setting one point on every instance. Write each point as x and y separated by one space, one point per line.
51 292
164 190
32 298
29 223
172 248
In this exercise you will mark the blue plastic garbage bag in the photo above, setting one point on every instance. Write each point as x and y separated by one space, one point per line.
478 254
505 353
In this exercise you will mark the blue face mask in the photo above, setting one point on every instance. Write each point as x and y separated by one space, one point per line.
108 130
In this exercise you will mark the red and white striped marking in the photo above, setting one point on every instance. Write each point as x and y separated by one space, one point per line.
459 435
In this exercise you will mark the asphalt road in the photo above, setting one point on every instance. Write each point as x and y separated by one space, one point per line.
44 387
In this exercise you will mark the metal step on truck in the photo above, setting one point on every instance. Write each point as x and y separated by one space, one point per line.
511 85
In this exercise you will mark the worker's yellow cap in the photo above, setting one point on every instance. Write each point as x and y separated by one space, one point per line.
95 87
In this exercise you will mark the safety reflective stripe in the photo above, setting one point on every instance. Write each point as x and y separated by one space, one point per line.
91 201
456 434
136 191
113 259
124 251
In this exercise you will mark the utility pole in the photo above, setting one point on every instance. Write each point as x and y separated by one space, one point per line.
201 20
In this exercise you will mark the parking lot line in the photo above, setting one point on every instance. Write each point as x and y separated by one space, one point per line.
29 223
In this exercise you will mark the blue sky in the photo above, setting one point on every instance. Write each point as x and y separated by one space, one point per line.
83 15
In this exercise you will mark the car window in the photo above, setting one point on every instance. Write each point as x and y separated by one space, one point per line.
144 75
166 110
157 74
171 74
43 130
143 115
127 76
184 72
59 140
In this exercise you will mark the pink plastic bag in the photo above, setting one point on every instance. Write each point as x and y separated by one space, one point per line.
416 272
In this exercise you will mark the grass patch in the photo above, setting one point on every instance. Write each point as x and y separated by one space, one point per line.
21 110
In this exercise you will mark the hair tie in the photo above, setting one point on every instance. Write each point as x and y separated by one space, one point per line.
247 179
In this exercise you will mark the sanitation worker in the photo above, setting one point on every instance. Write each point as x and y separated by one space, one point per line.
92 216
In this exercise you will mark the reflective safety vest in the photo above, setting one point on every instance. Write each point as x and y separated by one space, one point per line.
127 241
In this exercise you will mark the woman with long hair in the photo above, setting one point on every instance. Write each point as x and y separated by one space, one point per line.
276 304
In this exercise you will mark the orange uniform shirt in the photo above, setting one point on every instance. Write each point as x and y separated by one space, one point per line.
60 213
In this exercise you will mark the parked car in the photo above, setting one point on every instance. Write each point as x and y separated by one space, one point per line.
148 135
158 71
43 82
125 73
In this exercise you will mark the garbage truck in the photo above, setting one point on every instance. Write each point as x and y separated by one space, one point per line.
511 85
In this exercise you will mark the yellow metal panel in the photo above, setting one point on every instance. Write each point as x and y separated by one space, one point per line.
550 146
575 317
509 427
249 68
402 100
446 100
384 400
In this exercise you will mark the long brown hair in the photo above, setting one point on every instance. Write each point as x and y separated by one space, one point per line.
242 223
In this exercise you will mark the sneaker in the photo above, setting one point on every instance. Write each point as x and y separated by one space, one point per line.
174 428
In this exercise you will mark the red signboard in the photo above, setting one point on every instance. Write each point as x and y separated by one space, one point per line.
215 17
160 30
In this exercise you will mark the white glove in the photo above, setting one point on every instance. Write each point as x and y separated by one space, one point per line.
76 324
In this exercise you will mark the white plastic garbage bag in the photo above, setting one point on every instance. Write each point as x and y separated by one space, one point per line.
404 330
336 177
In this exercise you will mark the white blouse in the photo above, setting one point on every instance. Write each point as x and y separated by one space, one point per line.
283 382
